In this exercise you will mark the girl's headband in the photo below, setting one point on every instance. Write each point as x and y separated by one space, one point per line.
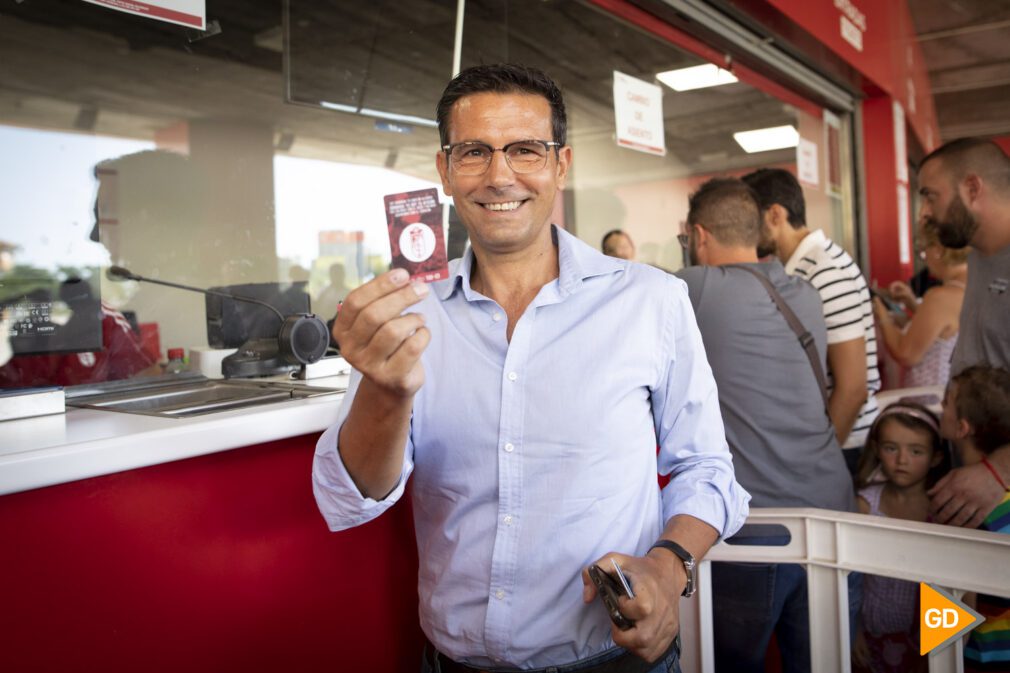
915 412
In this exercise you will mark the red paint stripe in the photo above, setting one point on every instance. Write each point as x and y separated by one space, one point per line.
660 28
154 10
640 146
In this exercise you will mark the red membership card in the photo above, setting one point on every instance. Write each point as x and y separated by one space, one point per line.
416 238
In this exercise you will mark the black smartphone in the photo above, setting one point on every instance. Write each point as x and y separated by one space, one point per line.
889 303
609 591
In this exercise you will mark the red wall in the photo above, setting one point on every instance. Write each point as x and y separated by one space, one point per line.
218 563
881 195
891 58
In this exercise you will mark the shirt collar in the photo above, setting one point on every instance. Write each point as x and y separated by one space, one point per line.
811 240
576 262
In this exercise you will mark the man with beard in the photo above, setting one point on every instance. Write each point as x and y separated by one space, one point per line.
965 189
784 449
853 378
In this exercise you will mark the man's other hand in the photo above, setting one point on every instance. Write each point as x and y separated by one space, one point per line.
377 339
657 583
965 496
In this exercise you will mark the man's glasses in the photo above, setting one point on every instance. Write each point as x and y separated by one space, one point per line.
522 156
683 240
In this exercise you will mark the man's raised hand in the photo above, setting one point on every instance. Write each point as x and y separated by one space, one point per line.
377 339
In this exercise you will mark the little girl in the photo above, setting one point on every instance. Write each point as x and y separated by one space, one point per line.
976 418
905 446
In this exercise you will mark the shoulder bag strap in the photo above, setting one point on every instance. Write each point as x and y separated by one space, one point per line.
806 339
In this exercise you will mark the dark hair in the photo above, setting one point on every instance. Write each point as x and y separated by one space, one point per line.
775 185
973 155
728 209
503 78
868 460
983 400
612 232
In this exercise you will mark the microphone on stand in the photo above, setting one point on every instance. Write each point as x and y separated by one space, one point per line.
302 337
118 273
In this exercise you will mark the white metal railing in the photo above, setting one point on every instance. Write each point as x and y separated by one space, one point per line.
831 545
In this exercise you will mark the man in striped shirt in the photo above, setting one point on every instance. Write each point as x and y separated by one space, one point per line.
853 378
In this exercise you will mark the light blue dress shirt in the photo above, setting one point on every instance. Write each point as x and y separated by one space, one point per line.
532 458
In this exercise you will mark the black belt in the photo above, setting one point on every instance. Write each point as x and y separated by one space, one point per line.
625 663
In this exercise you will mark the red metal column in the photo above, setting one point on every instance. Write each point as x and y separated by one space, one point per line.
883 187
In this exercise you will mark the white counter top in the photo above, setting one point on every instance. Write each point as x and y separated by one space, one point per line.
82 443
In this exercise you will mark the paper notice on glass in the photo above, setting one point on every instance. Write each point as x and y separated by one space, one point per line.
189 13
416 238
806 162
638 113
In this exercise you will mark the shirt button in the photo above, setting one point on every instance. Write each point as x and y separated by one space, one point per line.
513 376
508 519
509 447
499 594
496 317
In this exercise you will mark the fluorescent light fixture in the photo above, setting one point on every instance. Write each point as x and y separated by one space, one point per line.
379 114
696 77
762 140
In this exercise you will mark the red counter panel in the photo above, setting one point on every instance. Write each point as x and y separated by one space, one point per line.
217 563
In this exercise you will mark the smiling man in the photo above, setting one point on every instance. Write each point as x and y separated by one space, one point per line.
524 398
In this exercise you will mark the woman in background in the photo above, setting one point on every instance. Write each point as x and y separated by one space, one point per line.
925 345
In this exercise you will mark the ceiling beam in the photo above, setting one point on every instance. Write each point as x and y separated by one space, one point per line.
963 30
976 76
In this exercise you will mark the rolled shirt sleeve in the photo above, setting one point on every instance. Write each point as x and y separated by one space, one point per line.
340 502
693 449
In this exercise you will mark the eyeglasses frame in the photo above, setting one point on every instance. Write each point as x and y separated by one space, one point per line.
548 144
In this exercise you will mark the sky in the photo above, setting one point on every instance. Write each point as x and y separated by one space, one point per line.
47 194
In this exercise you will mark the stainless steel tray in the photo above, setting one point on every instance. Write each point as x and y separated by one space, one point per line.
190 396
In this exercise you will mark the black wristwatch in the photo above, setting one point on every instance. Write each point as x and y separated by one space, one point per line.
690 565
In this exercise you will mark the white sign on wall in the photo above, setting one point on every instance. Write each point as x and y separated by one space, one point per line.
806 162
638 112
904 245
851 22
900 148
190 13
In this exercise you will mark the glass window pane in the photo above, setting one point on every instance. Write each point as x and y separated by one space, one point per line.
612 187
201 172
193 158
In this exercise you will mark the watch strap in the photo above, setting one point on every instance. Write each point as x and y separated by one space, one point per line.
690 565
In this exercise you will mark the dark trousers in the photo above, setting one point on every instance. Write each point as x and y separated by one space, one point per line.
668 664
751 601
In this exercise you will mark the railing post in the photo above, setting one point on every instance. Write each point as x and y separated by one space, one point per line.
948 660
826 617
697 644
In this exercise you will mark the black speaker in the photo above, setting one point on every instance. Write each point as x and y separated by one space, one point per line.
303 338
